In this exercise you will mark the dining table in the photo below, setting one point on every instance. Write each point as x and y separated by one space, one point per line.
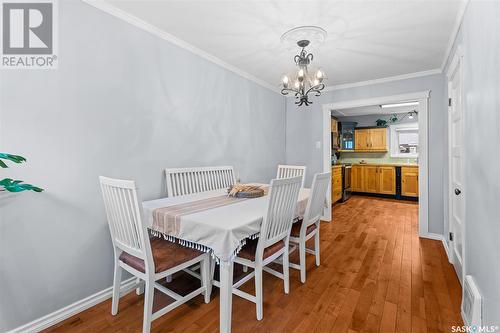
213 222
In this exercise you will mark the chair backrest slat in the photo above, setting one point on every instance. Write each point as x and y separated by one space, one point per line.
290 171
317 199
124 214
182 181
283 197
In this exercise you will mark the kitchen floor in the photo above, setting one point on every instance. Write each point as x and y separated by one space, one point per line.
376 275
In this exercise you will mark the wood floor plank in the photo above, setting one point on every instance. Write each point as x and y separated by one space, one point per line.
376 275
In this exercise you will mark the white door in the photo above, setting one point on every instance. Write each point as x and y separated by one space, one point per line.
456 170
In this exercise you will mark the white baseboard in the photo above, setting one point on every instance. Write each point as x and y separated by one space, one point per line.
441 238
57 316
431 235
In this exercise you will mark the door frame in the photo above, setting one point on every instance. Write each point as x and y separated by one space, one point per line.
456 64
423 136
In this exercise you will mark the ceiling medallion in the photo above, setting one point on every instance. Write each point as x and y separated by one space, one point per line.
302 83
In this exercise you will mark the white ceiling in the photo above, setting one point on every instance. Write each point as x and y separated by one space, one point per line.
366 40
372 109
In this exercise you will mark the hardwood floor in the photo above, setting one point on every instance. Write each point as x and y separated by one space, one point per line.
376 275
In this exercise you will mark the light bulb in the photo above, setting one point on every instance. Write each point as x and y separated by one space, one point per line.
319 75
316 82
297 84
285 81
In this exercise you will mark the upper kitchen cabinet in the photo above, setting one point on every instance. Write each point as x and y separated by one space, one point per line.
370 139
378 139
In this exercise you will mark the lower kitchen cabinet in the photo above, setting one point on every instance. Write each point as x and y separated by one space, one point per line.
336 183
374 179
387 180
357 178
409 181
371 179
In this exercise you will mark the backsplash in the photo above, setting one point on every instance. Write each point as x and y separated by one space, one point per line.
373 158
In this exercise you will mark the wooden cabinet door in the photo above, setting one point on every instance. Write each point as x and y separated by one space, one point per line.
336 184
334 125
357 178
378 139
387 180
361 139
409 181
371 179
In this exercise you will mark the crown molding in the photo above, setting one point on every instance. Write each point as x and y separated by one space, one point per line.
383 80
454 33
137 22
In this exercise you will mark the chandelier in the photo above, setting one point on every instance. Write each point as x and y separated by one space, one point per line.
302 83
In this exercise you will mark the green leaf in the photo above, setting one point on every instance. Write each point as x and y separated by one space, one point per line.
12 158
18 186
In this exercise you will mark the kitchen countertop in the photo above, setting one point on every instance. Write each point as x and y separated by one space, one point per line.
389 164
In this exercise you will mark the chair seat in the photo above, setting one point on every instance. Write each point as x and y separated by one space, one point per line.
296 229
165 256
248 251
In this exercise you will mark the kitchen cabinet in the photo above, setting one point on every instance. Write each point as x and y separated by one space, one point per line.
336 183
356 178
361 139
409 181
378 138
387 180
373 179
334 125
370 139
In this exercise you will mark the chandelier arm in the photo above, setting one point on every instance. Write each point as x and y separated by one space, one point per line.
317 89
285 91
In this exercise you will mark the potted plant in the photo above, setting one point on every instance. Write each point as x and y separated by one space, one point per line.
11 185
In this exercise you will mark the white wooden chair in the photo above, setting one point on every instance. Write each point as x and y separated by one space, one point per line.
289 171
148 260
182 181
308 227
273 241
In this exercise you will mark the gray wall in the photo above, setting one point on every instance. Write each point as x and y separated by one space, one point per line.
126 104
304 129
479 38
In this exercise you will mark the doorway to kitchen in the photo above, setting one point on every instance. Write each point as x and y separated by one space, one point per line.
381 130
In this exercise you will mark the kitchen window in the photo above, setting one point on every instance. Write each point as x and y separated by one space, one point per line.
404 140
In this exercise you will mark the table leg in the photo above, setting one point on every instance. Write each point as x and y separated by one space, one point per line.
226 295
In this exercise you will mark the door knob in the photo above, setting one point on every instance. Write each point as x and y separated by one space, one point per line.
457 191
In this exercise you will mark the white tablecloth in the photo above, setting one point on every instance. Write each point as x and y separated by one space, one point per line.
221 229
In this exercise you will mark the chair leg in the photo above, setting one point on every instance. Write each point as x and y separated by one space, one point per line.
316 247
286 270
205 277
140 287
258 290
212 271
148 305
302 255
116 288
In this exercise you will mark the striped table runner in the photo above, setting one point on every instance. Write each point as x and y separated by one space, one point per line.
166 219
